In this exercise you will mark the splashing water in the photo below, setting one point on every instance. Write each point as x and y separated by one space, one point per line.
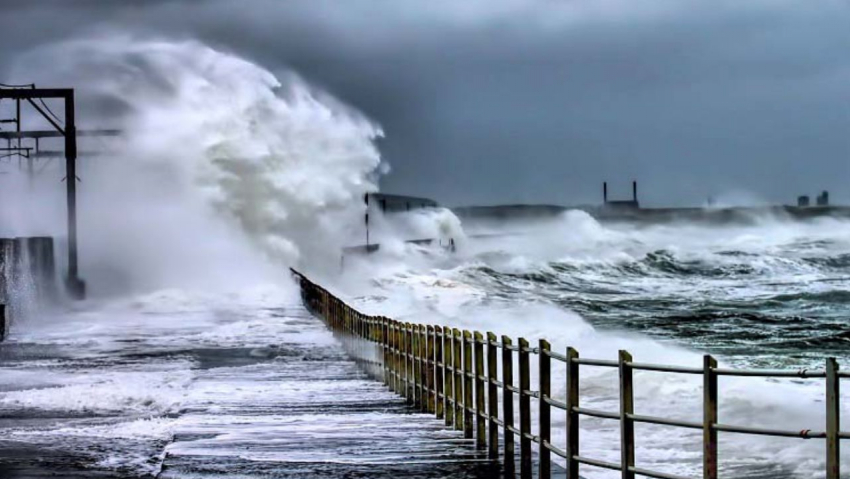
210 140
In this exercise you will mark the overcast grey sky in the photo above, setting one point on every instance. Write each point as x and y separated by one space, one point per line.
505 101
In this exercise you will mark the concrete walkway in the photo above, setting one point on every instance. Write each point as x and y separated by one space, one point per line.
310 412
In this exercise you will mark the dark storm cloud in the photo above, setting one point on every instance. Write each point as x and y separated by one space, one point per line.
502 101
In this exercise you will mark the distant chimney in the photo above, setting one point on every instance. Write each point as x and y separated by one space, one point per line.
605 192
823 199
634 191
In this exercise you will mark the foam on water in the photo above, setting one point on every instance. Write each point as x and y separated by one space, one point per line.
516 285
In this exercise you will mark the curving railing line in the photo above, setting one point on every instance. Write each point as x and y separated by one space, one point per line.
442 371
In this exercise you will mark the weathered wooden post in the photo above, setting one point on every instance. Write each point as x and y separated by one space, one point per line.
458 380
439 372
468 407
480 412
492 397
430 368
709 418
572 402
508 404
627 426
524 411
833 414
545 469
448 374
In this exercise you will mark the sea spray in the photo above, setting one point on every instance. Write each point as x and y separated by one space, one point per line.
210 141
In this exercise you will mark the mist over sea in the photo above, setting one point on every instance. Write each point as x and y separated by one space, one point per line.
229 174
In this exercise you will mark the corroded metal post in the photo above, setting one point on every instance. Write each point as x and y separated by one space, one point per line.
449 374
480 411
572 402
709 418
424 392
439 369
492 397
508 404
524 411
458 380
545 469
467 385
408 363
416 366
429 370
627 426
833 413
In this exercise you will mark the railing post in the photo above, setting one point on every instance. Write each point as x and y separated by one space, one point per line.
429 369
627 426
458 379
480 411
572 402
424 393
508 405
833 412
385 341
416 366
408 363
398 365
524 411
545 469
492 397
709 418
468 406
439 372
449 374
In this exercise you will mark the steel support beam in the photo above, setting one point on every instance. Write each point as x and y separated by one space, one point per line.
75 286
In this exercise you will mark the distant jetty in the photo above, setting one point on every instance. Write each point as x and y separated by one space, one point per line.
631 211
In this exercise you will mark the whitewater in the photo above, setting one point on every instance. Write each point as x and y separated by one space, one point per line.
230 174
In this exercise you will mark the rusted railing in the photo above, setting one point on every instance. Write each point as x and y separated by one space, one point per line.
454 374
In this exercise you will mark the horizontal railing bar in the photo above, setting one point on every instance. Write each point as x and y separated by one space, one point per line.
665 369
803 434
498 421
596 413
531 437
665 422
494 343
531 350
496 382
596 362
534 394
513 430
656 474
555 402
597 463
556 355
560 452
512 389
510 347
771 373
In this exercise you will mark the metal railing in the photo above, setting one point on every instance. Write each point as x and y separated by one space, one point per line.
441 370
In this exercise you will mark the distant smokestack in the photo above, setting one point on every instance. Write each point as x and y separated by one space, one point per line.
634 191
605 192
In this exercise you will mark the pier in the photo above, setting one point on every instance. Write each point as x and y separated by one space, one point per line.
480 384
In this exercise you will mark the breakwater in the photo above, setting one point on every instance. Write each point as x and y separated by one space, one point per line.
27 277
482 384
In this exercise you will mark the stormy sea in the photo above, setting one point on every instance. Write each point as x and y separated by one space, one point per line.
181 361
